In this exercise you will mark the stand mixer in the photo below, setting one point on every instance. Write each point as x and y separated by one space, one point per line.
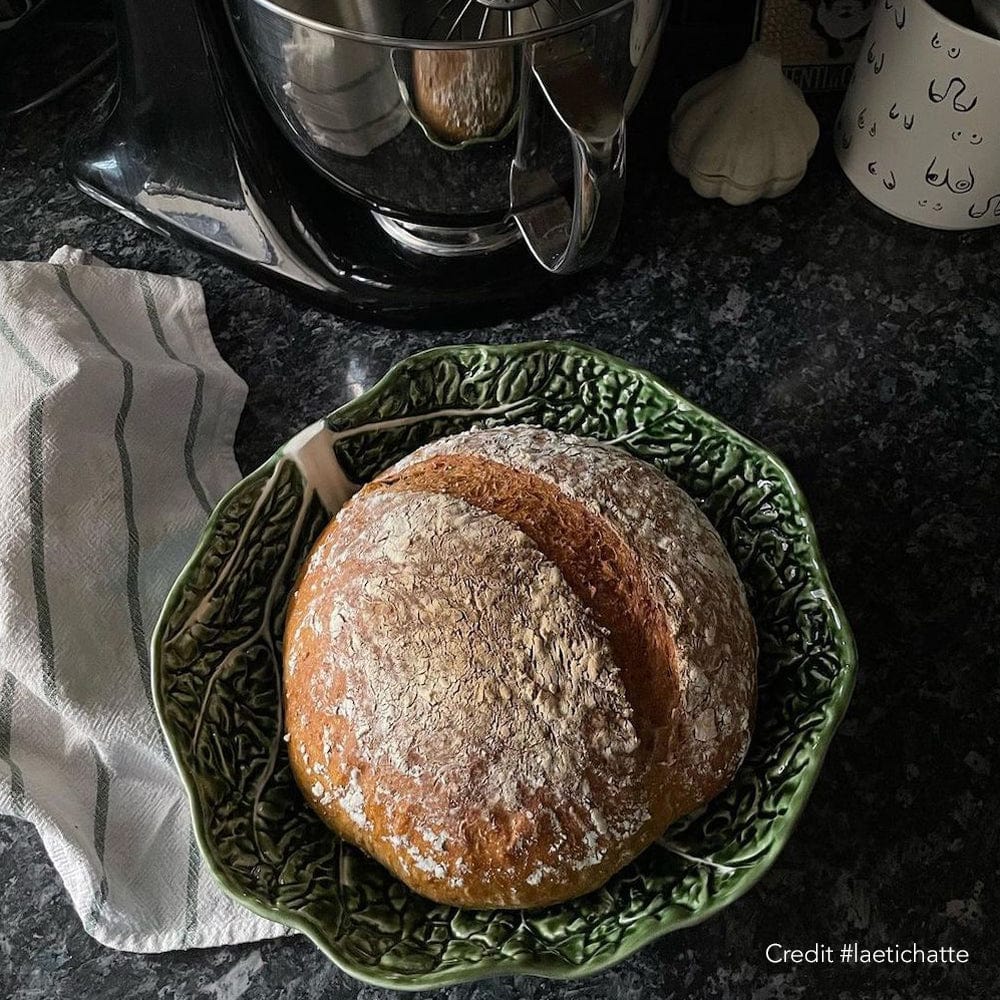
406 159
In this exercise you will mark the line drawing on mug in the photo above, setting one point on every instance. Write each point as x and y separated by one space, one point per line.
845 138
961 185
898 13
947 171
964 184
894 115
933 178
975 139
954 51
936 95
992 205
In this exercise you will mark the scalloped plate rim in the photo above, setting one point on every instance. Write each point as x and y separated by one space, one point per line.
555 969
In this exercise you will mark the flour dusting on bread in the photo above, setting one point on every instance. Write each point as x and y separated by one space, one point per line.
464 662
682 555
460 707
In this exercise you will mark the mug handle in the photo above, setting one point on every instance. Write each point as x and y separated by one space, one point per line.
566 238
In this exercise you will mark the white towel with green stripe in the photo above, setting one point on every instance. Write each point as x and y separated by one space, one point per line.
118 417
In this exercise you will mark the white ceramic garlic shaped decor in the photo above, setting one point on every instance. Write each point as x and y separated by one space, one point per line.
744 133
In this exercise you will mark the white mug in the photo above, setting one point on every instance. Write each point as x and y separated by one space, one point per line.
919 130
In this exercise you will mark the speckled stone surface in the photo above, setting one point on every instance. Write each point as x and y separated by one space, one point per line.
865 353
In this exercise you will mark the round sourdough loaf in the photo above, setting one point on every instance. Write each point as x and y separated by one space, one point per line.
512 660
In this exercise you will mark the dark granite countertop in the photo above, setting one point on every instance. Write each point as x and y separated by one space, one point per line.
865 353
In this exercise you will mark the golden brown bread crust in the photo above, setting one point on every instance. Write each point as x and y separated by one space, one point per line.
600 568
651 676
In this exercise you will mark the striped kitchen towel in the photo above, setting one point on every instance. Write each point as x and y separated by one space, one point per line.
118 418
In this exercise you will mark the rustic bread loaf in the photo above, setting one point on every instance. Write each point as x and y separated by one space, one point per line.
512 660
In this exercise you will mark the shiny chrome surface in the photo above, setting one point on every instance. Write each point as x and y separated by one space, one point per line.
562 236
460 138
462 21
417 23
183 144
446 241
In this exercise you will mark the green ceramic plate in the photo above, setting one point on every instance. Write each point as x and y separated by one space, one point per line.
217 676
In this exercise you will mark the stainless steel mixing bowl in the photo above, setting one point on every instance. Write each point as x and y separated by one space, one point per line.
464 124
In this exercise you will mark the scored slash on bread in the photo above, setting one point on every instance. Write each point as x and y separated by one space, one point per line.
512 660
